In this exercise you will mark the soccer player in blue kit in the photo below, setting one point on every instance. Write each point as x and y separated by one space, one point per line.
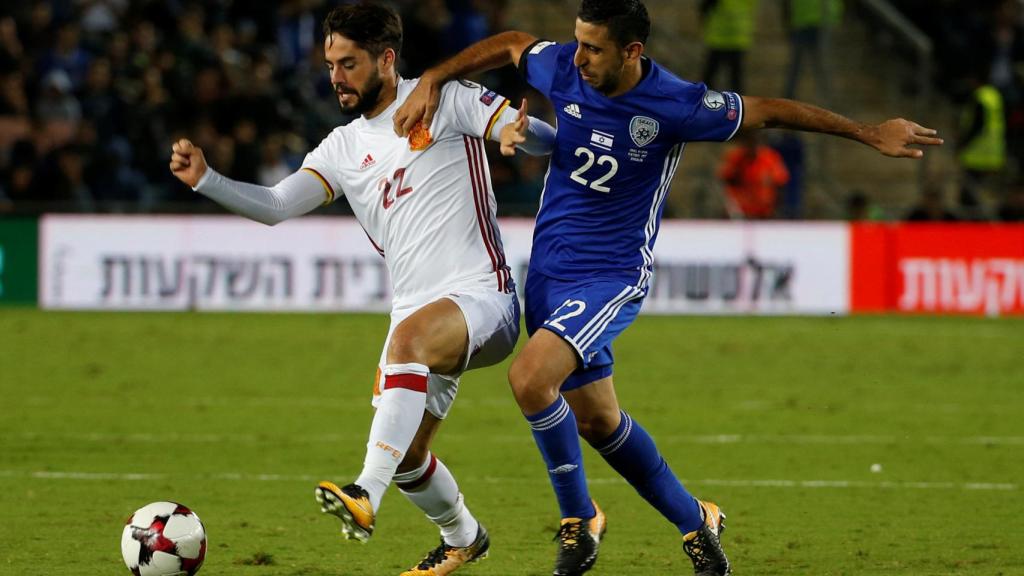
623 122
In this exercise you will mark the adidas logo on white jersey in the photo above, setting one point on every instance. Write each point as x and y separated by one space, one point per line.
367 162
573 110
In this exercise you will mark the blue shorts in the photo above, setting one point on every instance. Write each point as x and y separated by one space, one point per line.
588 314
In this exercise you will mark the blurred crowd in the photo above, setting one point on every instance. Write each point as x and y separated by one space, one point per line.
93 92
979 51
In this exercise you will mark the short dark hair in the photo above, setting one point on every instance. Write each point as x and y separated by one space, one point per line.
627 20
372 26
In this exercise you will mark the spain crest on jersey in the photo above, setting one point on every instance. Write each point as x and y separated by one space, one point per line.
643 130
419 137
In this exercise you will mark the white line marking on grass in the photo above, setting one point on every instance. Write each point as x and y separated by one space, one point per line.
132 477
889 407
176 438
246 477
204 401
828 439
861 484
794 439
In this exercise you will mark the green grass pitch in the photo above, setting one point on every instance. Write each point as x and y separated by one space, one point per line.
778 420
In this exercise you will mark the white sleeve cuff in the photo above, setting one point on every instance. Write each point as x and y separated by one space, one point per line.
203 179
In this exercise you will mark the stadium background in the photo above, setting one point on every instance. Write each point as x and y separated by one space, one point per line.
237 414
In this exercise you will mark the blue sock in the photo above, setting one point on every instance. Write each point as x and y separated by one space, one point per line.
632 453
554 430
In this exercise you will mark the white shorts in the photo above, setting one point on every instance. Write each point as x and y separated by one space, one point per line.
492 318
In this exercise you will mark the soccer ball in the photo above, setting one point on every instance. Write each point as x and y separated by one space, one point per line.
163 539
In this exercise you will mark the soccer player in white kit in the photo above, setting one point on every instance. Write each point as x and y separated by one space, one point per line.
427 206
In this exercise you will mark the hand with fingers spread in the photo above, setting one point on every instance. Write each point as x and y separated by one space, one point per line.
420 105
894 138
514 133
187 162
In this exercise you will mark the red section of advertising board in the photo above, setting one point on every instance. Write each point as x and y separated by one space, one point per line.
938 268
868 257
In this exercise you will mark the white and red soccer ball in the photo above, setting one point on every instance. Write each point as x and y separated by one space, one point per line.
163 539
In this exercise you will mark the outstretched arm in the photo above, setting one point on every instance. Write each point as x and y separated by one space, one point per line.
487 54
297 194
892 137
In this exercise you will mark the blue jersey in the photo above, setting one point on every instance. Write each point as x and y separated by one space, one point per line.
613 163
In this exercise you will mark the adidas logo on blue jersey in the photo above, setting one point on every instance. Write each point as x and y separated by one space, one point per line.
573 110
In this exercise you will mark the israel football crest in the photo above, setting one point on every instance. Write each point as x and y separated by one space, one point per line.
643 130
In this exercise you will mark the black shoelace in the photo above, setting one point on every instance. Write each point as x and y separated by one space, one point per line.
436 556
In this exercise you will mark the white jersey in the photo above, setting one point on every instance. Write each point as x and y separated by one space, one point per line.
430 213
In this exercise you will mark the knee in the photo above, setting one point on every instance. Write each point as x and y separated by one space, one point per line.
404 347
597 426
520 378
528 386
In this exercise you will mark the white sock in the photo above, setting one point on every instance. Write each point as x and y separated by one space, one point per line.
403 398
432 488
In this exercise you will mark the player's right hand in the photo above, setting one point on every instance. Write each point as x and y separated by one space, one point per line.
420 105
187 162
514 133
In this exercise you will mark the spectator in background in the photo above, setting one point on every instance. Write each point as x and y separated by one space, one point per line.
1003 49
16 180
426 23
469 24
809 22
931 207
1012 207
15 112
191 44
67 55
11 50
728 34
101 16
296 29
860 208
247 150
981 141
57 110
223 44
857 206
57 103
37 32
59 181
272 166
752 173
150 115
790 147
100 103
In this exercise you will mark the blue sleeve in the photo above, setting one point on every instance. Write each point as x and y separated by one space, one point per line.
539 63
711 116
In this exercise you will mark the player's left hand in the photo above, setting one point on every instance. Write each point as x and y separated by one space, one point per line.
514 133
894 138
